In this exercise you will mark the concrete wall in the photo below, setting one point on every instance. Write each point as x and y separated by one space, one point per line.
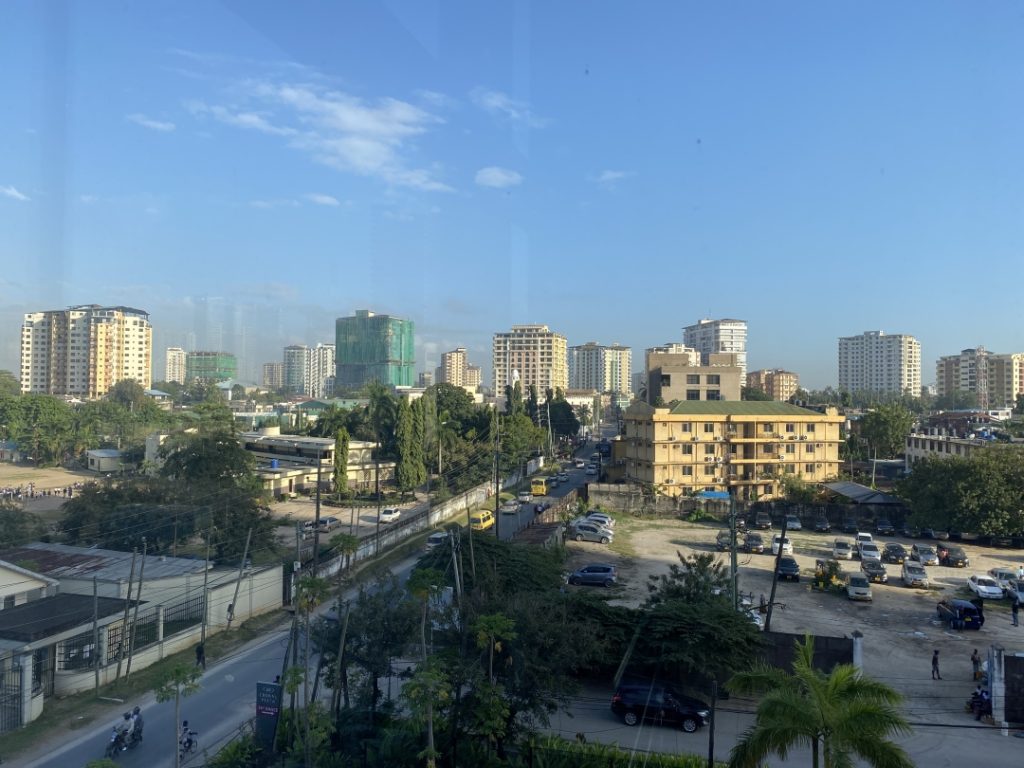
153 590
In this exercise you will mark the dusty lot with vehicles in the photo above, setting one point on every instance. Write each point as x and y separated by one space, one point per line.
899 625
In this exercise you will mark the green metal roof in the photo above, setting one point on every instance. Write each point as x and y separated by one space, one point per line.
740 408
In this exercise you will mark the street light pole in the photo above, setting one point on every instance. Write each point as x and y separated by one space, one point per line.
316 519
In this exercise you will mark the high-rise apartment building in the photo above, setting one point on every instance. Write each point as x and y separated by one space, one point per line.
777 384
273 375
531 355
456 370
372 347
601 368
210 367
83 351
876 362
174 369
309 370
710 337
997 380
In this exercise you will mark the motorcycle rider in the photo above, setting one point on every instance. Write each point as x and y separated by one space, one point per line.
185 740
137 720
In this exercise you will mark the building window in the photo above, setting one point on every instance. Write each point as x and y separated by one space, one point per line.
810 448
715 379
768 427
790 449
767 488
709 469
713 394
769 449
791 428
685 426
693 394
809 469
666 380
709 428
688 450
687 471
709 449
809 427
692 378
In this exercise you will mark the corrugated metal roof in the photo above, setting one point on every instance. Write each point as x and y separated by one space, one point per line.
861 494
60 561
47 616
740 408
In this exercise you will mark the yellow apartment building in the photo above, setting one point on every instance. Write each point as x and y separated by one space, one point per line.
743 447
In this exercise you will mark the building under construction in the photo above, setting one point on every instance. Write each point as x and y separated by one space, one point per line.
372 347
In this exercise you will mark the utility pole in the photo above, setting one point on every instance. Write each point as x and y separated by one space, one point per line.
497 478
775 578
732 551
206 582
96 636
124 621
376 462
316 519
711 724
238 581
336 697
295 606
135 620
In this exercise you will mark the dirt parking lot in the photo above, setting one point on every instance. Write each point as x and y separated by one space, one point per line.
899 627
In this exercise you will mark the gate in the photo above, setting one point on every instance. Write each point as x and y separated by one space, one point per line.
10 698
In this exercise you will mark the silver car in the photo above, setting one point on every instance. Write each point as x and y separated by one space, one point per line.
924 554
914 575
592 532
595 574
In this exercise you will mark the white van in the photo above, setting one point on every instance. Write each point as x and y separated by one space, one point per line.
842 549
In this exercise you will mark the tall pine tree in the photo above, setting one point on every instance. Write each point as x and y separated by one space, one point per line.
409 471
341 463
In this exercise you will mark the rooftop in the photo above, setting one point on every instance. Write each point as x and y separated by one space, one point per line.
48 616
740 408
60 561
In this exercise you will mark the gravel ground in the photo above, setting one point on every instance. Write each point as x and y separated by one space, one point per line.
898 626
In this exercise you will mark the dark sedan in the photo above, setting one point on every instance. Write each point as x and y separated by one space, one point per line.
822 525
953 557
894 553
788 569
850 525
874 571
753 543
763 521
884 528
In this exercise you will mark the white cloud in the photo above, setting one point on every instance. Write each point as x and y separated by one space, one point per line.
252 120
319 199
282 203
610 177
148 122
502 105
498 178
14 193
366 137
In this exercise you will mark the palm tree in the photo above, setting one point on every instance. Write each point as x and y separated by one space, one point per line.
845 713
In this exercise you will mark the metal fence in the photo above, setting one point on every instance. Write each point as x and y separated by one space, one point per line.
183 615
78 652
10 697
146 631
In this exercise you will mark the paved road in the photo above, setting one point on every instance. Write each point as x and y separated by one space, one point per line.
510 523
934 747
225 701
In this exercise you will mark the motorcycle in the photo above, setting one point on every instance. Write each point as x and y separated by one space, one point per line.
188 744
117 742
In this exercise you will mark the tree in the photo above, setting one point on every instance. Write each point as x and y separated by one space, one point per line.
127 393
410 471
341 463
839 715
18 527
513 399
180 680
383 416
1018 406
957 400
886 428
754 393
983 493
564 422
695 578
9 384
533 404
309 593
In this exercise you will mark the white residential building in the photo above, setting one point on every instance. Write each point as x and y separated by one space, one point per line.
309 370
876 362
711 337
83 351
175 365
605 369
532 355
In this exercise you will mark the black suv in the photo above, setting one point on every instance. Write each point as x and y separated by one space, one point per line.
763 521
788 568
659 704
822 525
884 528
850 525
954 557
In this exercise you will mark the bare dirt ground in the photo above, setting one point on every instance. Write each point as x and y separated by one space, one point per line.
899 627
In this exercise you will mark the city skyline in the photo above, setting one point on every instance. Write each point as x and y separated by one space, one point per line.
250 173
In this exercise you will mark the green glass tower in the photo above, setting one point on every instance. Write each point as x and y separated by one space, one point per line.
372 347
210 367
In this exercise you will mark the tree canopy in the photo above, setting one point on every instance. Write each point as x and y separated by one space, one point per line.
885 429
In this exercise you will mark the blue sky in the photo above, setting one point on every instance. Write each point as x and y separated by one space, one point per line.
248 171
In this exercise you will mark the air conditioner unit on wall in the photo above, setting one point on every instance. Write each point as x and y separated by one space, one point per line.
695 438
803 437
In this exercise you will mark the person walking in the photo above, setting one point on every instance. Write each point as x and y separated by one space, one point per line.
1020 572
201 656
935 666
976 664
1014 609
